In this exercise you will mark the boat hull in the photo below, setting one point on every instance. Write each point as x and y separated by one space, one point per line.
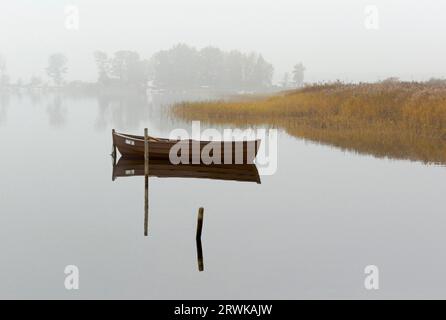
188 151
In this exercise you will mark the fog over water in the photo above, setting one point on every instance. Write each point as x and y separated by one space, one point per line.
307 230
329 37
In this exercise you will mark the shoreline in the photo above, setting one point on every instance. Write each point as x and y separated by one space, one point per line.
400 120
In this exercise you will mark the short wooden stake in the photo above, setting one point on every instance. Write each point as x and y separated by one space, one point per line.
198 239
200 223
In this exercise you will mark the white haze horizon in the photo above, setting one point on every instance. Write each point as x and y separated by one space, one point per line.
329 37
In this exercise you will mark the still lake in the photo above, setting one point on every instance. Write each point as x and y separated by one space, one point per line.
307 231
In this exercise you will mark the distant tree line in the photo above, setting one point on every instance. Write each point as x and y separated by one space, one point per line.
124 68
184 67
181 67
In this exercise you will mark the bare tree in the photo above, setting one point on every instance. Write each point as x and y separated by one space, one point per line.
129 69
103 64
57 67
298 74
4 78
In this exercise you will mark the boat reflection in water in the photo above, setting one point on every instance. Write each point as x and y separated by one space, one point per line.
129 167
132 167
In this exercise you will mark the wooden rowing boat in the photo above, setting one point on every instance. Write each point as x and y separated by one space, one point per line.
237 152
130 167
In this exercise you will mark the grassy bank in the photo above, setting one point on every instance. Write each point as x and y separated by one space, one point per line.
388 119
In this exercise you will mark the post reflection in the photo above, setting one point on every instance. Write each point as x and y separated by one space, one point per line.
133 167
200 256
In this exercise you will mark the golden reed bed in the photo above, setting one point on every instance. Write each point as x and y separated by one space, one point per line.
401 120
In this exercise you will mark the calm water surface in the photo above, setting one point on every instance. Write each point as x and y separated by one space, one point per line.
307 231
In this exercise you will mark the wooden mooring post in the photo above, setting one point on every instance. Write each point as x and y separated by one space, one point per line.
114 146
146 182
146 152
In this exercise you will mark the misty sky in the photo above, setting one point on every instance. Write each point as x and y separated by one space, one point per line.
328 36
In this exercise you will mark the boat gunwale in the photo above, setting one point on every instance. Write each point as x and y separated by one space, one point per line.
140 138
